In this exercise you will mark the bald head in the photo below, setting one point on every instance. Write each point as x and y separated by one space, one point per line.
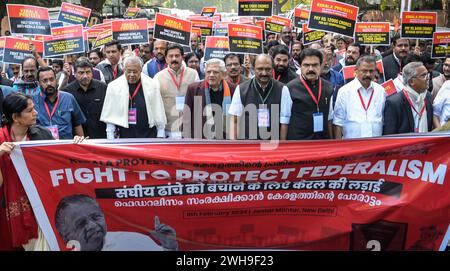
263 69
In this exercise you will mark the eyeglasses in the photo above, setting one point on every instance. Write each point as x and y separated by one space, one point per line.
423 76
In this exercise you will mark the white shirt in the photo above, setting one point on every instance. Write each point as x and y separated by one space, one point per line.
236 107
129 241
398 83
350 114
441 104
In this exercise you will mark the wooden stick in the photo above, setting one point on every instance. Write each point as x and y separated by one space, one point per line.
4 67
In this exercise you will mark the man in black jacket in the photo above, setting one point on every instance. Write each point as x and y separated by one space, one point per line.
392 64
411 109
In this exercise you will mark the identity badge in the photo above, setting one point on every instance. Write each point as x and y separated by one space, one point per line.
263 117
179 103
54 130
132 116
318 122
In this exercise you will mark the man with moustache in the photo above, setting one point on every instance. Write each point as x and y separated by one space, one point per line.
311 98
327 73
358 111
28 84
233 63
57 110
90 95
133 106
282 73
442 78
174 81
111 67
393 63
259 105
297 48
410 110
353 53
158 63
286 37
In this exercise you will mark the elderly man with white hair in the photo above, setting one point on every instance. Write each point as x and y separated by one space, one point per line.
410 110
206 103
133 106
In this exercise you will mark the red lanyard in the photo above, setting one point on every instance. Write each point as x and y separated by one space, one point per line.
278 78
362 101
50 115
412 106
159 66
177 84
115 71
316 101
135 91
13 136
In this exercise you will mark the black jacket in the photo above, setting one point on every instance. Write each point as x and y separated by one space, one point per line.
391 67
398 116
38 132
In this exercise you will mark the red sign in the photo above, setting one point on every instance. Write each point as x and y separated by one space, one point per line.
440 47
103 38
216 47
74 14
300 17
310 36
245 38
418 24
64 41
333 16
172 29
16 49
131 12
28 20
205 26
128 32
209 11
2 47
389 87
349 72
372 33
384 193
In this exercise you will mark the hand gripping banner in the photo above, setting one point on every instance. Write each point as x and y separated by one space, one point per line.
387 193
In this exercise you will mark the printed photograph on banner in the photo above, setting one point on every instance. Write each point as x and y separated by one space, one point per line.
130 193
172 29
372 33
17 49
245 39
133 31
74 14
333 16
65 41
440 47
28 20
216 47
259 8
418 24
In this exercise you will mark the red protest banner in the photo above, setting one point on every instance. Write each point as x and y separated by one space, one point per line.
172 29
196 31
349 72
74 14
315 195
372 33
245 38
151 25
310 36
418 24
440 47
216 47
2 47
275 24
300 17
389 87
28 20
259 8
209 11
65 41
16 49
128 32
333 16
205 26
220 29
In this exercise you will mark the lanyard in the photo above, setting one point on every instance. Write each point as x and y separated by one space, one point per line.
135 91
316 101
268 93
413 108
50 115
115 71
13 136
362 101
177 84
278 78
159 66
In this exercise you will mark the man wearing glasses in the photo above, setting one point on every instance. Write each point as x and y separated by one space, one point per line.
234 72
410 110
